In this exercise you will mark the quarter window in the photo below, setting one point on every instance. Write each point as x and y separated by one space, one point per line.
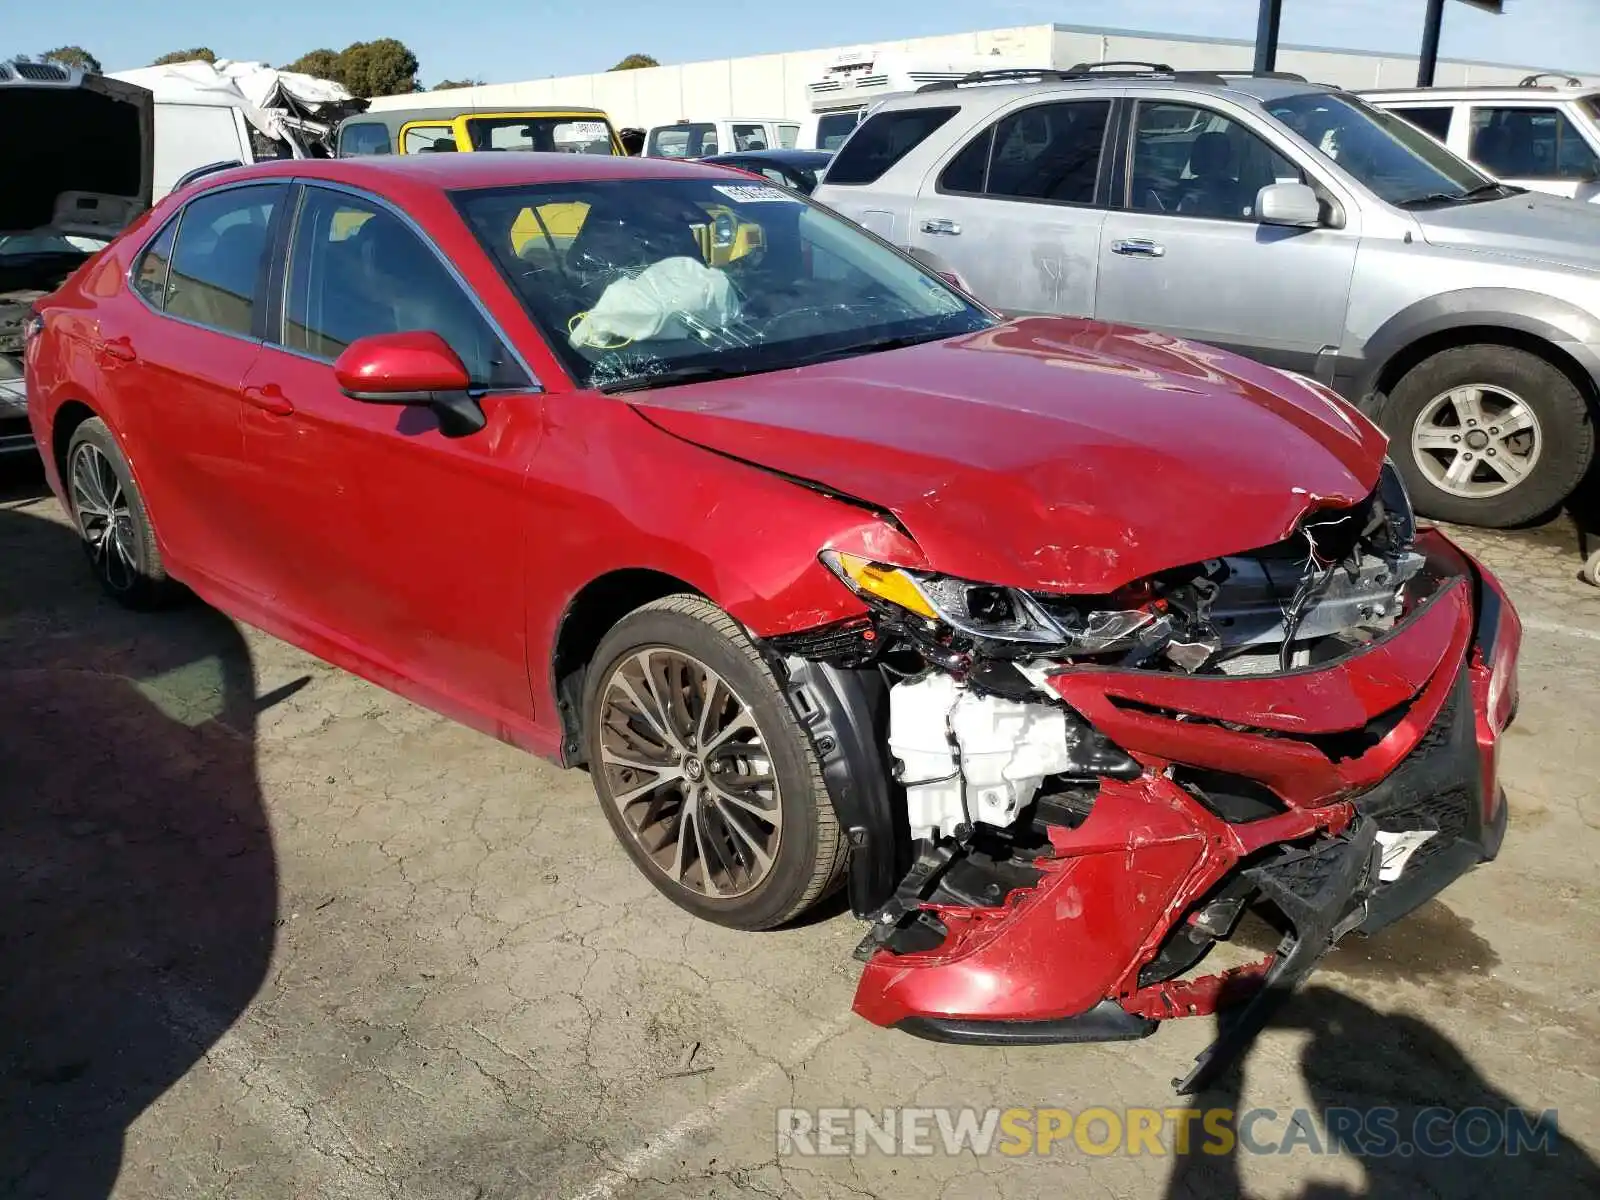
1198 163
882 140
1531 143
357 270
428 139
150 276
221 257
367 137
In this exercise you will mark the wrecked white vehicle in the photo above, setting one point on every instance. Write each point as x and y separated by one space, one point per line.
77 149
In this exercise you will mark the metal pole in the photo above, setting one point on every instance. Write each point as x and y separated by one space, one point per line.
1267 22
1429 59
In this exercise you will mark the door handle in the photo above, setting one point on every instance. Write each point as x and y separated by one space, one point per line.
119 349
941 225
1138 248
268 397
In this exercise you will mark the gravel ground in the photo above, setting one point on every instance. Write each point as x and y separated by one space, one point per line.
273 932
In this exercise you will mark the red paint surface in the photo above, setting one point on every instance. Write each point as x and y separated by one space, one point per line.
420 361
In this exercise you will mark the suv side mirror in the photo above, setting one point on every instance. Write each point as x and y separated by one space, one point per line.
1288 204
411 368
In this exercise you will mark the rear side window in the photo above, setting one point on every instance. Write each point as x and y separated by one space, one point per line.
368 137
221 256
427 139
1047 152
788 135
682 141
750 137
882 140
150 276
356 270
1432 119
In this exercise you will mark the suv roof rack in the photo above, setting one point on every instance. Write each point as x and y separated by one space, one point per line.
1533 80
1120 69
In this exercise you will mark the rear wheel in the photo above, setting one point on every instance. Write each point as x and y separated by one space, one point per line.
111 520
1488 435
702 770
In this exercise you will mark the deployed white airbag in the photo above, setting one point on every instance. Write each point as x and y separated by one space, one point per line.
1006 749
639 307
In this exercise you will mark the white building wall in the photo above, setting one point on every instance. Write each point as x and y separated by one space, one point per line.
774 85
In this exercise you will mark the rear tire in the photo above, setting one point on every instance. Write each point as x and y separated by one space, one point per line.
110 517
1448 421
732 767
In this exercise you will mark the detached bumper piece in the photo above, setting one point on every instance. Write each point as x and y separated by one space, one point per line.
1337 798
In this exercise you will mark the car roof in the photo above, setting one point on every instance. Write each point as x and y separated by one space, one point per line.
1260 88
1543 93
394 118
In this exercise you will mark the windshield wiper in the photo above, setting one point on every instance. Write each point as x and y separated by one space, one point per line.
871 346
672 377
1481 192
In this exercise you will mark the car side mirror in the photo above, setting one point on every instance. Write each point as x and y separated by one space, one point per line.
1288 204
417 368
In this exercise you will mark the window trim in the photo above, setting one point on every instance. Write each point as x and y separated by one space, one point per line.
280 301
1099 199
261 299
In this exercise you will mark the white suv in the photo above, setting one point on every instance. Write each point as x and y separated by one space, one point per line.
1533 135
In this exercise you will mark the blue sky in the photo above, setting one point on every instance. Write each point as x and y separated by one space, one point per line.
502 40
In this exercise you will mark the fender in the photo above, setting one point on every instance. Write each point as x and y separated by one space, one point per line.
1561 324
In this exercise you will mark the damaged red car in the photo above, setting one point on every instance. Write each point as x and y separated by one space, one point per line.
1058 644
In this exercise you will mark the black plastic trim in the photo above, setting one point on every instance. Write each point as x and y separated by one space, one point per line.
1105 1022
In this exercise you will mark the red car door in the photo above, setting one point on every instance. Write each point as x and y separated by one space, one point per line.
173 352
387 539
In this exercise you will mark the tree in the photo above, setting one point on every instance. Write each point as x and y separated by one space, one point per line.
634 62
321 64
385 67
73 56
455 83
198 54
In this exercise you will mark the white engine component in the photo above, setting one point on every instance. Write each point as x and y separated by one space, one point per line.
1005 747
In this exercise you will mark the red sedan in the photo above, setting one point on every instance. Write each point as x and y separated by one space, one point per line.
1061 643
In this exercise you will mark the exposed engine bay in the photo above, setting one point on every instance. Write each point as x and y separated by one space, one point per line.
1151 762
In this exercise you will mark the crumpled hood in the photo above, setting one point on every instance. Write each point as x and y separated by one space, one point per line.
1534 226
1049 453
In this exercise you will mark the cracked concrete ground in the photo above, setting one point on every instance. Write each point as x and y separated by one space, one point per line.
269 931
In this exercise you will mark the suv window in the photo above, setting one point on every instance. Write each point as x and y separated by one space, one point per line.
882 140
369 137
1047 152
221 255
356 270
1530 143
683 141
749 137
1195 162
428 139
1432 118
150 276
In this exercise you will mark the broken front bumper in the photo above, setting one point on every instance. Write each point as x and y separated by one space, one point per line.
1398 737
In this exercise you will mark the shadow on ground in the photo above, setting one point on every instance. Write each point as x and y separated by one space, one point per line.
138 886
1363 1060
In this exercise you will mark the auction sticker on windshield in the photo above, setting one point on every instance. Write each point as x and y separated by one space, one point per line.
755 193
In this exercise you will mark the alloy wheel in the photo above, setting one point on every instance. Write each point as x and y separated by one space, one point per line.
688 769
105 517
1476 441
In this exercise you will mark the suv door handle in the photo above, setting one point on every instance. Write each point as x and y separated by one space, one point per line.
941 225
120 349
1138 248
268 397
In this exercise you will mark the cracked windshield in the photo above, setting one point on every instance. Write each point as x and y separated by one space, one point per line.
646 283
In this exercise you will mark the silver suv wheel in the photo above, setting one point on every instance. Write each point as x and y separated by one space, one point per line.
1476 441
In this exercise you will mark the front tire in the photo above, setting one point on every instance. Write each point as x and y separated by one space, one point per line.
111 520
1488 435
702 770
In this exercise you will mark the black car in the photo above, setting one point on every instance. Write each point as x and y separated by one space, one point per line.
797 169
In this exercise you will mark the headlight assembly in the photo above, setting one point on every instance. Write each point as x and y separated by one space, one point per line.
1046 621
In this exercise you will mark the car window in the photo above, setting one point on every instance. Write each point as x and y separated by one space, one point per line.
1047 152
683 141
150 275
356 269
551 135
368 137
1194 162
749 137
1432 118
788 136
882 140
1530 143
427 139
833 129
221 254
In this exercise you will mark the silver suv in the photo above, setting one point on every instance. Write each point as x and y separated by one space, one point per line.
1289 221
1534 135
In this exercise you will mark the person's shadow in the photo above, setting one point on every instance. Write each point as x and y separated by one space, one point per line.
138 887
1361 1059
